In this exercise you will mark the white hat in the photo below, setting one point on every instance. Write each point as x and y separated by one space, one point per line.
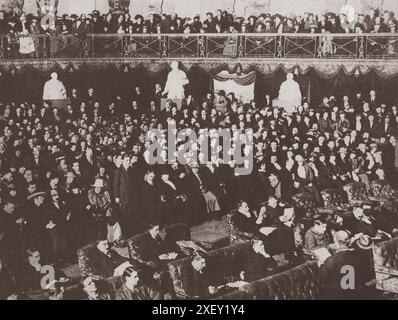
99 183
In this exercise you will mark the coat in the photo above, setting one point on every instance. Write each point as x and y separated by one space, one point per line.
123 186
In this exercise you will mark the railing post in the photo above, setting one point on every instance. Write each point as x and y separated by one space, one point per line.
45 39
164 46
241 50
319 47
361 41
202 46
279 48
124 46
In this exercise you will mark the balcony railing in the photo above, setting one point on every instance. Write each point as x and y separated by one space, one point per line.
202 46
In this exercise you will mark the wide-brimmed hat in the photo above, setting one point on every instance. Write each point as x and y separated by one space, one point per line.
60 158
99 183
35 195
70 174
364 242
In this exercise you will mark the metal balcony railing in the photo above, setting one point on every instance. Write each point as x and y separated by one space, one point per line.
202 46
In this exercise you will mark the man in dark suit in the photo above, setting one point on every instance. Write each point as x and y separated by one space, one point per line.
373 99
56 212
37 224
126 196
277 188
153 248
387 127
332 271
150 199
204 285
9 235
107 260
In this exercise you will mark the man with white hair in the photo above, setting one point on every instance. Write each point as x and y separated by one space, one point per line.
54 89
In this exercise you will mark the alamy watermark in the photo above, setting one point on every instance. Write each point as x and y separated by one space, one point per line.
185 146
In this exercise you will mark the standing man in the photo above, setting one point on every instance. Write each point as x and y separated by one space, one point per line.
125 196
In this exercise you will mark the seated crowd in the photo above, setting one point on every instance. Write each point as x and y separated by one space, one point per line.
76 176
373 21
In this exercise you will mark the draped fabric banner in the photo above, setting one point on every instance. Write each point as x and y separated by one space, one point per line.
240 84
316 78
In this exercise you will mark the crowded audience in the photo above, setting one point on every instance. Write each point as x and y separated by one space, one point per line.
222 21
74 176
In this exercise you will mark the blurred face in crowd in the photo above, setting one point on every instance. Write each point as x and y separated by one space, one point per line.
9 208
150 178
34 258
103 246
358 213
199 264
54 195
90 287
155 231
320 228
132 280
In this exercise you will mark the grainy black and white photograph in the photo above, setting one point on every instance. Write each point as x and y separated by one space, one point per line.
180 150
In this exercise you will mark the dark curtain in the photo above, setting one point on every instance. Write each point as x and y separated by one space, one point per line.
199 82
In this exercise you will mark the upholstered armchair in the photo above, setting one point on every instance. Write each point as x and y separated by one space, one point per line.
385 256
86 257
356 193
89 260
225 265
237 236
381 191
307 203
299 283
174 233
333 198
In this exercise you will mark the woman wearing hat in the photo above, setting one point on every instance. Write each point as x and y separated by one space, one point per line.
99 200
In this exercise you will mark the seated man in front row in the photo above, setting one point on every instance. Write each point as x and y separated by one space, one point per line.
316 237
204 285
108 260
260 265
207 284
154 248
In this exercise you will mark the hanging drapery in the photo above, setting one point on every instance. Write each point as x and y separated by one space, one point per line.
242 85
